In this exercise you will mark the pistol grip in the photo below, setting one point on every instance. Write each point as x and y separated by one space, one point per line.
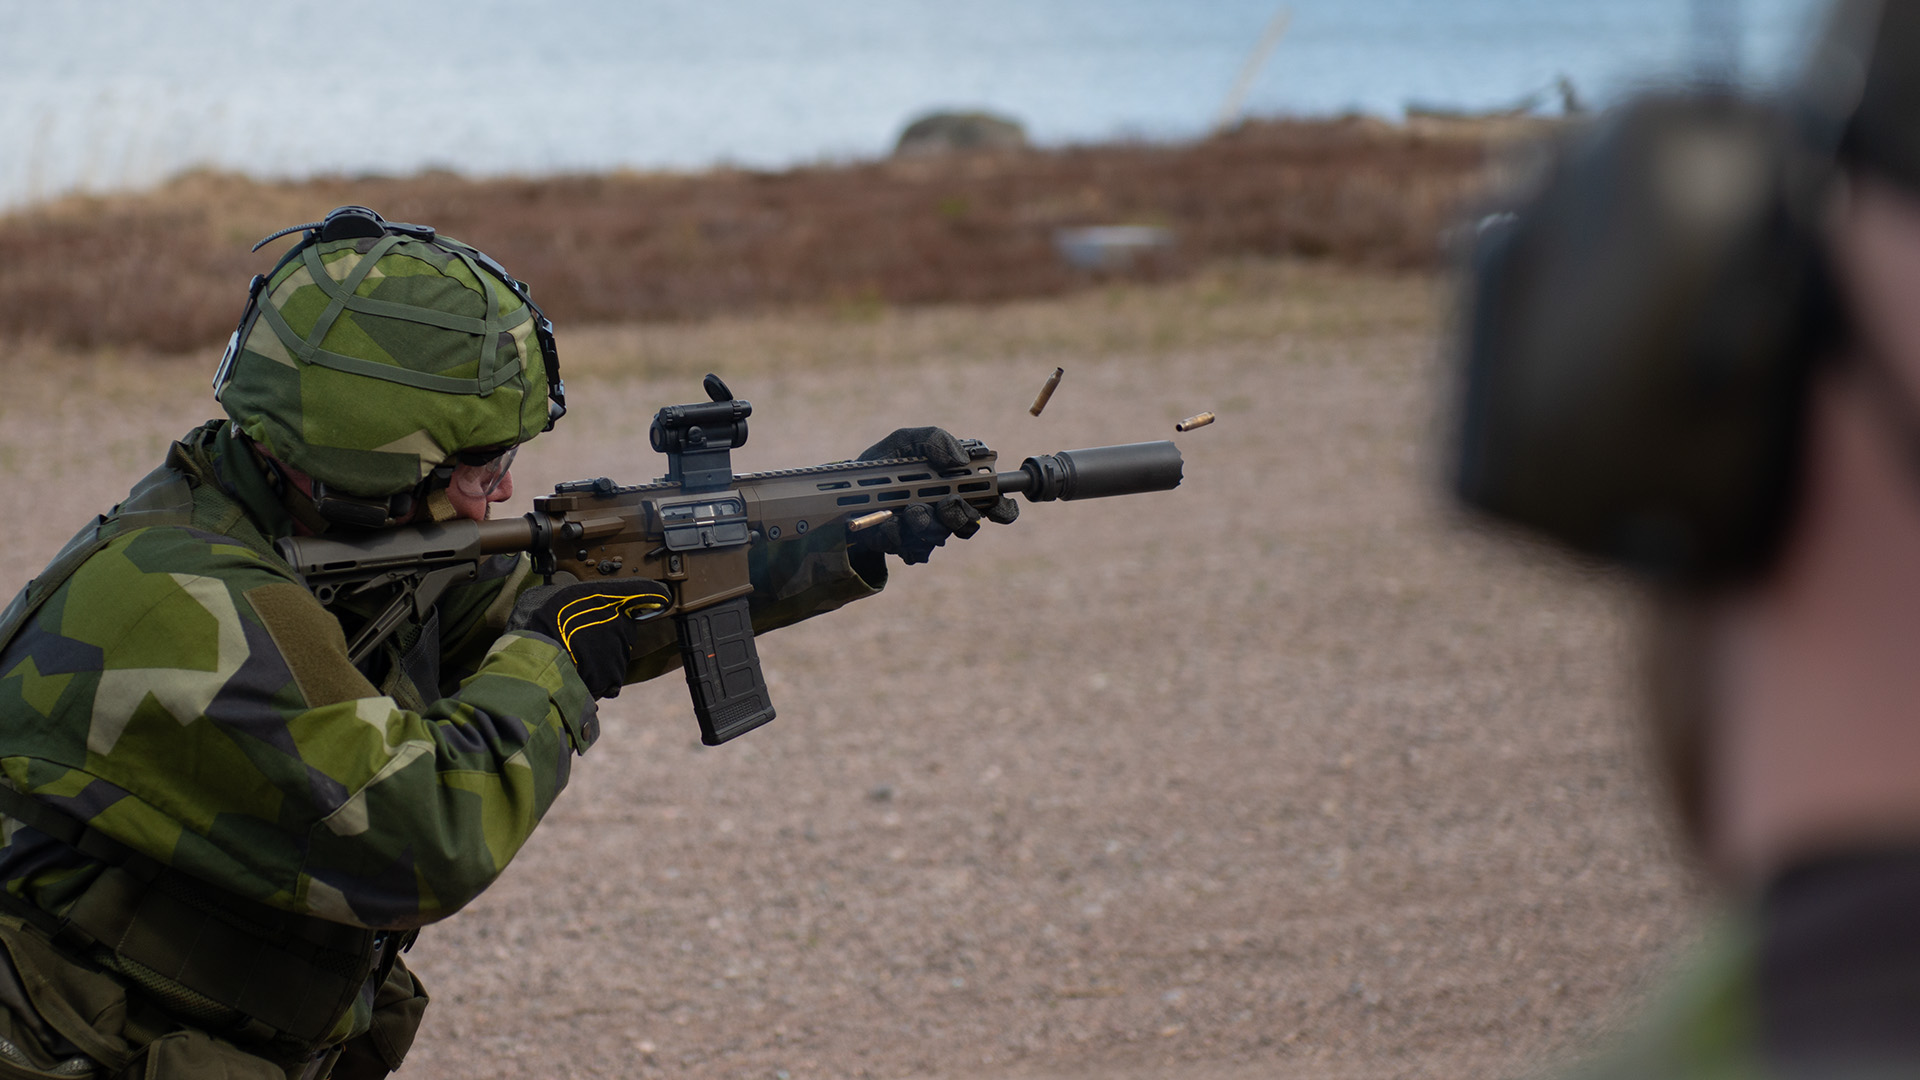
723 670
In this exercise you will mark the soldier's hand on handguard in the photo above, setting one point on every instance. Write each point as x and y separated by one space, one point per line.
596 622
914 531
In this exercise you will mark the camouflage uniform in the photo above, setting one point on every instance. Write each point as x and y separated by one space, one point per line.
176 693
1818 977
1703 1028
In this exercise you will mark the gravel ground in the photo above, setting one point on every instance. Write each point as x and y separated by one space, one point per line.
1284 773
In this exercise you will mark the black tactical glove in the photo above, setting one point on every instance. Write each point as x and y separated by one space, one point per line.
597 622
914 531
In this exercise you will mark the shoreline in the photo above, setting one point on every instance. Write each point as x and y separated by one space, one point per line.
855 238
1435 121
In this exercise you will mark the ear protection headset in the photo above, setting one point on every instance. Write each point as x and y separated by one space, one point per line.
1640 333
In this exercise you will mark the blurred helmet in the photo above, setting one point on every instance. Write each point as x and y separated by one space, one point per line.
377 352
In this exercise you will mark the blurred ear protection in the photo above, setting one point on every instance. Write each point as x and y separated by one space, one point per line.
1640 333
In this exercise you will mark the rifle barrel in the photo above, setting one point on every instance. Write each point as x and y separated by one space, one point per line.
507 534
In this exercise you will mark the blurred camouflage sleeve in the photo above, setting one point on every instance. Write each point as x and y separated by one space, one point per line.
793 579
185 695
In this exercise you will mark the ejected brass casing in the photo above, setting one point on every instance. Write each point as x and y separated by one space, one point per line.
1191 422
868 521
1046 392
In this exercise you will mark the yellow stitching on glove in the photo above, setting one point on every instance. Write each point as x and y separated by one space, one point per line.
567 621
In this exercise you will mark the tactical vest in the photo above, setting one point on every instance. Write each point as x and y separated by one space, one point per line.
269 978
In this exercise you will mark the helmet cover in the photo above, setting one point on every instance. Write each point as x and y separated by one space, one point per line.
368 362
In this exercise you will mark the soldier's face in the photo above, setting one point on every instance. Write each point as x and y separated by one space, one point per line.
476 487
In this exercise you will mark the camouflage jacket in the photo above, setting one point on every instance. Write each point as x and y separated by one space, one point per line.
1704 1027
1815 978
184 694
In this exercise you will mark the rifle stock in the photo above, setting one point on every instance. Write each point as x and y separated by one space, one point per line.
694 530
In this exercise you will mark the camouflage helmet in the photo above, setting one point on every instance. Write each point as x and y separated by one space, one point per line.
376 352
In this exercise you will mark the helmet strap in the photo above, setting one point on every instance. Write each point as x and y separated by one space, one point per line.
303 511
377 512
440 506
325 509
361 512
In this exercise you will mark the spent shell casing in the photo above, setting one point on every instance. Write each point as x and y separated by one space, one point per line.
1191 422
868 521
1046 392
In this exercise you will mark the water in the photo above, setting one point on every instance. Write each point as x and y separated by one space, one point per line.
109 94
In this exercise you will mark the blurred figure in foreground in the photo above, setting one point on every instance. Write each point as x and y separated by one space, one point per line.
1695 353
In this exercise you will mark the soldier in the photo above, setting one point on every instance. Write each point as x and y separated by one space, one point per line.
1697 353
220 834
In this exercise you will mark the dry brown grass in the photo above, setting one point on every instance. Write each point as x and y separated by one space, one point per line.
164 270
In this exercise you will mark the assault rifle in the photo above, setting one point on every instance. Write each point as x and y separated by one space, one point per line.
693 529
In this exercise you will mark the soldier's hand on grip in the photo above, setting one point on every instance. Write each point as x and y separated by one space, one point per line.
596 622
914 531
